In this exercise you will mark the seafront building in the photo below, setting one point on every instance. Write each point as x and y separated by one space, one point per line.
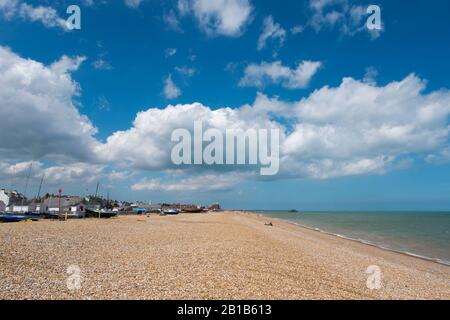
11 197
78 206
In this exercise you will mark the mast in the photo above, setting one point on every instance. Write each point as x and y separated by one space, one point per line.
26 184
12 178
96 189
40 186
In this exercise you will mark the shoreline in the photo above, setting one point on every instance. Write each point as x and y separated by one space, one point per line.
341 236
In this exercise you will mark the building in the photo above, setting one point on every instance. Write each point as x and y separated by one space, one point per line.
24 208
52 204
19 209
215 207
78 210
10 198
72 205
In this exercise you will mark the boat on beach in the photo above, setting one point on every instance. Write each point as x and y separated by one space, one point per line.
15 218
95 213
194 210
171 211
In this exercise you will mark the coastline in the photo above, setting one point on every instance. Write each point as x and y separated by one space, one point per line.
224 255
361 241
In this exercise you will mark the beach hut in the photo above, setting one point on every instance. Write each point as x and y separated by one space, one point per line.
19 209
78 210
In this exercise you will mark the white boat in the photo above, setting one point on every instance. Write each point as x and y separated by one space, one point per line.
171 211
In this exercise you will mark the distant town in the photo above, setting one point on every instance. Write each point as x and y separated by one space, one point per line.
73 206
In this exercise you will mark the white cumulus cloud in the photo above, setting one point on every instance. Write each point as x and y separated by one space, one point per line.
352 129
271 30
348 18
218 17
47 15
358 127
133 3
206 182
76 172
259 75
171 91
38 115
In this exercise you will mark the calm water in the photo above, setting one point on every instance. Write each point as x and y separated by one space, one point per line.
425 234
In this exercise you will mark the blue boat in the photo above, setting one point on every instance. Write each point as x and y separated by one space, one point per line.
14 218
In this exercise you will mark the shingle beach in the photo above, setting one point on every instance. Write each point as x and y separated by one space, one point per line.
226 255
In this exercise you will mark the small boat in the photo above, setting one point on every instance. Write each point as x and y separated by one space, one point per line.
40 215
100 213
193 210
293 210
52 215
171 211
15 218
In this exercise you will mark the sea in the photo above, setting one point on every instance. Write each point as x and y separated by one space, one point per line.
422 234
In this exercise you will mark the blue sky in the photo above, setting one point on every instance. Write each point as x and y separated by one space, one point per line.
129 50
